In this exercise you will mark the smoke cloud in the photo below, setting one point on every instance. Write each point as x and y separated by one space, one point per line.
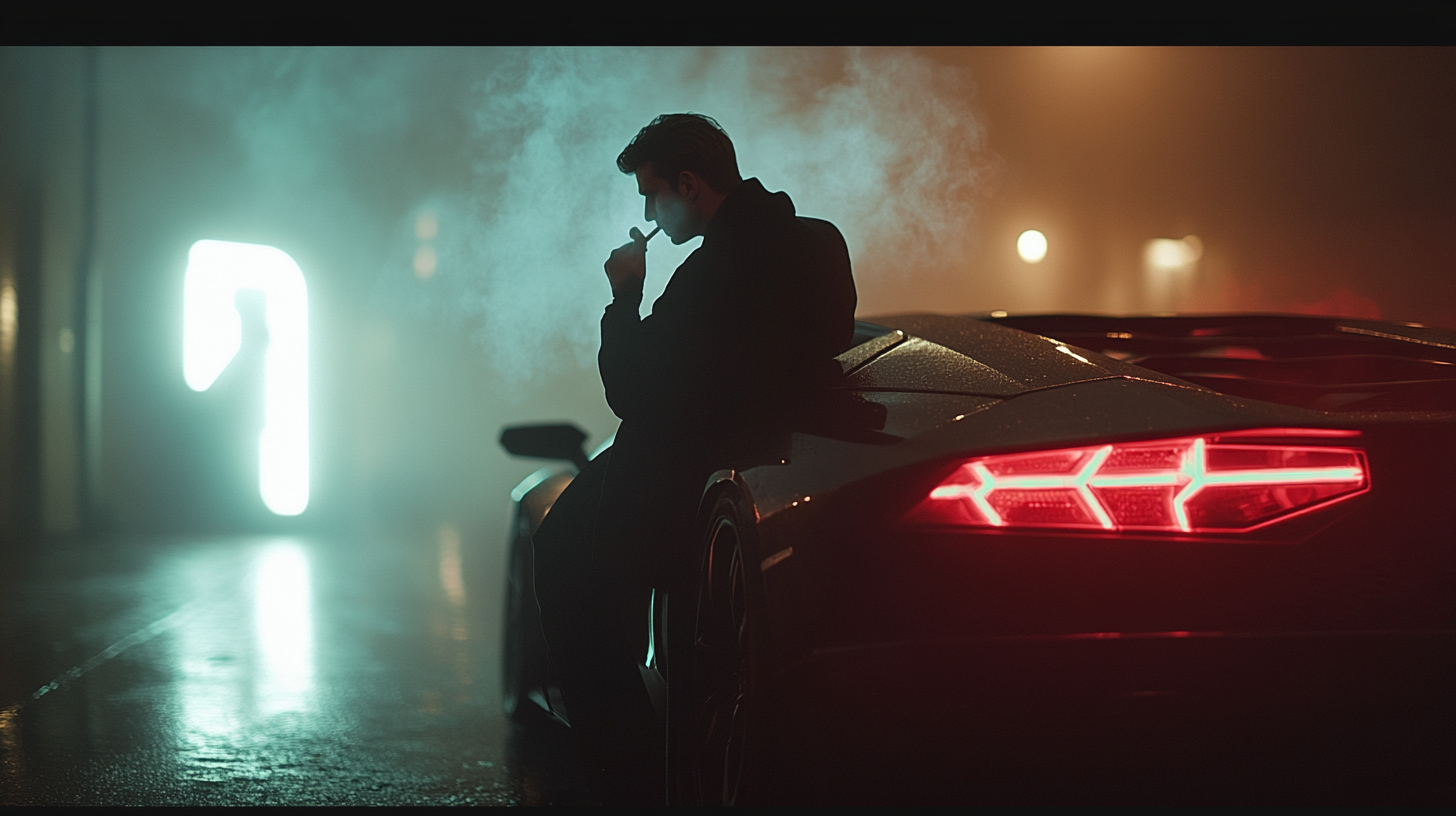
512 154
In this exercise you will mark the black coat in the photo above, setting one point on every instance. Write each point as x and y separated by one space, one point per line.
746 325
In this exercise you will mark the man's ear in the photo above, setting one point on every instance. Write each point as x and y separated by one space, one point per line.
689 185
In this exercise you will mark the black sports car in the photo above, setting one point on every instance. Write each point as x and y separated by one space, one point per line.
1047 558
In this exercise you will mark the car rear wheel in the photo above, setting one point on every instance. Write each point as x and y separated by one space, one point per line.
715 735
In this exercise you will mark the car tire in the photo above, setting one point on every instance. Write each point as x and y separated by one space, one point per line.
524 658
715 696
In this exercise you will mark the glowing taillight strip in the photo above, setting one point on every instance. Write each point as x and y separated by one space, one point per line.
1192 475
1084 476
990 483
1193 468
1195 464
976 495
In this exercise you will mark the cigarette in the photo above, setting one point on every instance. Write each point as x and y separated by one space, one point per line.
643 239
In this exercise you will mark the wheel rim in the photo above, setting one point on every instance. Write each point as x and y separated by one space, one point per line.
722 650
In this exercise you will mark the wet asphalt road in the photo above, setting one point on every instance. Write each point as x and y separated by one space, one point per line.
335 671
197 671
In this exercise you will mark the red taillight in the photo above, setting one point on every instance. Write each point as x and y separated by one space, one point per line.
1204 484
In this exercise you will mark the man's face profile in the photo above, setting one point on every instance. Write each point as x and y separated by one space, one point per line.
669 208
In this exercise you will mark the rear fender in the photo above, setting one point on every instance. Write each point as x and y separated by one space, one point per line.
675 608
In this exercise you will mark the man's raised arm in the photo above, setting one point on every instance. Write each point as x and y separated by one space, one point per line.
628 360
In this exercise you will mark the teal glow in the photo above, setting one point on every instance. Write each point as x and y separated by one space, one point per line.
212 335
282 628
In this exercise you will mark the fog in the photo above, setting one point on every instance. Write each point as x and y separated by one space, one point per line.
508 157
451 209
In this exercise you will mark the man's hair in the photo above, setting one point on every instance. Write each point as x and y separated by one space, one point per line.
675 142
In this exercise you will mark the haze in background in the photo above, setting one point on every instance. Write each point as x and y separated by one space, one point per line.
506 232
1317 180
451 209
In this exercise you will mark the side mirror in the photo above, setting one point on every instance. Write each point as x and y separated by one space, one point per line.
546 442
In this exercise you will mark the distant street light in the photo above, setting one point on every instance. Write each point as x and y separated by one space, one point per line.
1031 246
1172 255
1169 267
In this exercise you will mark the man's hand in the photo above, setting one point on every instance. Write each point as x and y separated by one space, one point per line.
627 266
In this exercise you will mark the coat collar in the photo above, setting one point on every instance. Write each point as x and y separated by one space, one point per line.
745 209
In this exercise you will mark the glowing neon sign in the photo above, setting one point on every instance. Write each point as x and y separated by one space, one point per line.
212 334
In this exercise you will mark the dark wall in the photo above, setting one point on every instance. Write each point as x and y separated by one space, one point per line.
27 82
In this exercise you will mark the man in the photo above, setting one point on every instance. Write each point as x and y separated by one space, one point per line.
747 325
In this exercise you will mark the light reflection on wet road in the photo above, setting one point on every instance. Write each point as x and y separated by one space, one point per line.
262 671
